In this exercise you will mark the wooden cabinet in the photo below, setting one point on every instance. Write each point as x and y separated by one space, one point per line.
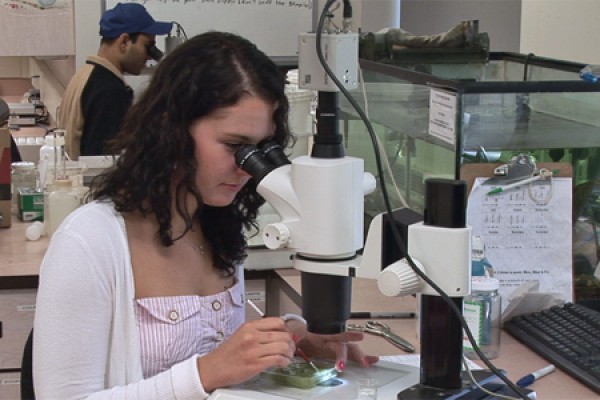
10 388
26 29
17 307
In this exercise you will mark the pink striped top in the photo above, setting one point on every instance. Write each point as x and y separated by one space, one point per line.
173 329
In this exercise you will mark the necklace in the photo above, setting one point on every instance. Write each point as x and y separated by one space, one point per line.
198 249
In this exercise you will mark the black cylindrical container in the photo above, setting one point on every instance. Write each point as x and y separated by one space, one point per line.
326 302
441 330
441 343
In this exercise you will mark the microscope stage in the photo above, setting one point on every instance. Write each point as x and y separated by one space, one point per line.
392 378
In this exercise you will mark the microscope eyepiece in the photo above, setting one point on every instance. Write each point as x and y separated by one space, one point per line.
252 160
274 153
155 53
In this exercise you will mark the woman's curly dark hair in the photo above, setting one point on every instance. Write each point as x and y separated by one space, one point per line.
210 71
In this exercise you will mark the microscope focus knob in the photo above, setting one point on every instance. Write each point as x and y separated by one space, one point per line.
369 183
276 236
399 279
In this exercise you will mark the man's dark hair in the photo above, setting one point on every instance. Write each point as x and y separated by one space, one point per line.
132 36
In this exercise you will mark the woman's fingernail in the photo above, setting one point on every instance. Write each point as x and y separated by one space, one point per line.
294 337
364 362
340 366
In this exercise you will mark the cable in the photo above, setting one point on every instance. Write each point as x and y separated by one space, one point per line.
395 232
494 394
180 28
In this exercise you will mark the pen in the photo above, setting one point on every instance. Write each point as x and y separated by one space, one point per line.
534 376
255 307
514 185
302 354
382 315
544 173
287 317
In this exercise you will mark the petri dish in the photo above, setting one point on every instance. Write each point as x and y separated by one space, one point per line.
302 375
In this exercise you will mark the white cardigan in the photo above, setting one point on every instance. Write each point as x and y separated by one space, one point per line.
86 341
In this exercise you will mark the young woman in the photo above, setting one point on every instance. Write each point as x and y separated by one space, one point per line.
141 290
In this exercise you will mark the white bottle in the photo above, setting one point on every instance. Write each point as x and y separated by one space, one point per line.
61 202
47 150
47 161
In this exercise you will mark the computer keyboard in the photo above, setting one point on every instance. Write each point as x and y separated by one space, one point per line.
566 335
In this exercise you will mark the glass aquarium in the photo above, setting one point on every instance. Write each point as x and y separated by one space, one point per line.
506 105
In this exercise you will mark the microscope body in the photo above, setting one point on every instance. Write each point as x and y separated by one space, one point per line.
320 199
320 202
317 201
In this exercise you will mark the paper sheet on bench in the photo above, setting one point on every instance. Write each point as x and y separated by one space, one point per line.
524 240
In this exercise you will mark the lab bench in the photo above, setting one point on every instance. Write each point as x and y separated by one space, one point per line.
19 278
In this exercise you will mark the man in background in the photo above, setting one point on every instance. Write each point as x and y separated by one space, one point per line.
97 97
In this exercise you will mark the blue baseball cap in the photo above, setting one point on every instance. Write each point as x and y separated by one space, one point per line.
131 18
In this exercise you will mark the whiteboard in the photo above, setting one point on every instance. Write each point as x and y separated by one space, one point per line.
273 25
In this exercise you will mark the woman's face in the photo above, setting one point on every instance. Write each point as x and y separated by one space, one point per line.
217 137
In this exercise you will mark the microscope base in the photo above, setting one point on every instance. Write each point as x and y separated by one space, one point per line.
422 392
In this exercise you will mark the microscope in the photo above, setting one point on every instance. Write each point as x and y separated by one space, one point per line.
320 199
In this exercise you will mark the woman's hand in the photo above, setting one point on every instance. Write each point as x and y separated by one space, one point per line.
254 347
336 346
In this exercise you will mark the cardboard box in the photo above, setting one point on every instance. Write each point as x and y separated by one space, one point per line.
31 204
5 196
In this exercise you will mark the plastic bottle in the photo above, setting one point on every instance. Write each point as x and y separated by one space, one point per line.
47 159
47 150
60 164
56 169
61 202
482 309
